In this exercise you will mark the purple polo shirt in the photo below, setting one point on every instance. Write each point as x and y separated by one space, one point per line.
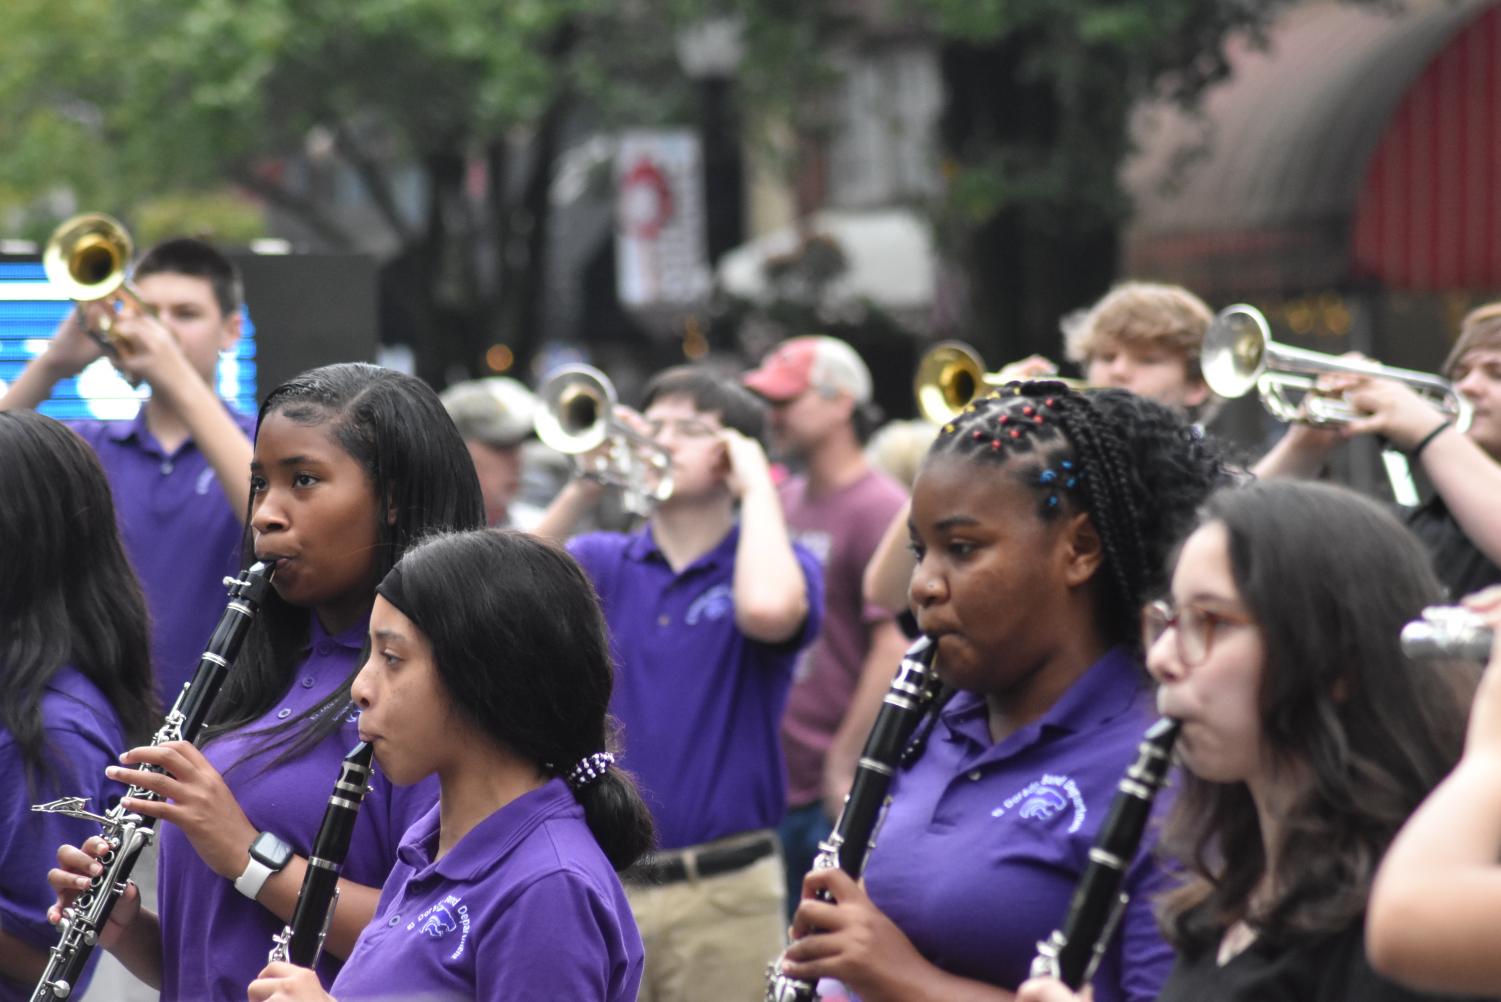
983 843
83 735
214 939
180 533
698 701
524 906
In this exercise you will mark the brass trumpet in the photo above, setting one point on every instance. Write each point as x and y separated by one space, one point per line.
86 257
575 416
1239 355
951 374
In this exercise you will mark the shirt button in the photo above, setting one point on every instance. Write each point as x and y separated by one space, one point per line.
283 713
663 620
325 647
393 920
307 683
166 467
974 774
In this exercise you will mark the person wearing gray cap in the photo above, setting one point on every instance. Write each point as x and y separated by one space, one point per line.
495 417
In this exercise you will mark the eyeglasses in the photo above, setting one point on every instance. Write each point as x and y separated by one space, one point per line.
682 428
1194 628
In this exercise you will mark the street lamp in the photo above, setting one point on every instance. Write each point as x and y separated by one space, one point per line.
709 52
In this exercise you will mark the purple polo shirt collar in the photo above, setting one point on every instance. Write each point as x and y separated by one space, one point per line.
137 428
488 843
1108 689
351 638
643 547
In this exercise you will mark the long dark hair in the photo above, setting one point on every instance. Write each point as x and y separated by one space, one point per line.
395 427
1134 465
522 648
1330 577
67 592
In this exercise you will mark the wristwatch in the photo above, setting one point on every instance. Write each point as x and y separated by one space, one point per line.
268 855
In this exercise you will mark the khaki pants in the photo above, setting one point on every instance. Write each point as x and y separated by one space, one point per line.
711 938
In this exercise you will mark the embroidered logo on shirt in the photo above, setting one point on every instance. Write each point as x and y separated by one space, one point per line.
438 920
1046 798
204 480
716 603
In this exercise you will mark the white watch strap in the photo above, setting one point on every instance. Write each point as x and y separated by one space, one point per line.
250 882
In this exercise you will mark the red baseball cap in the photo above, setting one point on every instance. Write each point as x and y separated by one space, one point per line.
804 362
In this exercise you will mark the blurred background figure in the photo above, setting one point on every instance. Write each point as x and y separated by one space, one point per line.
1144 337
837 505
495 417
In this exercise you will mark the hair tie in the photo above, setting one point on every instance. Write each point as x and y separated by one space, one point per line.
589 768
1417 450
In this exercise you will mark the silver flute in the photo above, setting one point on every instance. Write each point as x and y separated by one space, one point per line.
1448 631
848 846
126 832
301 941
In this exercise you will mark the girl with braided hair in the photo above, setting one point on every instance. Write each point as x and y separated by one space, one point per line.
1042 520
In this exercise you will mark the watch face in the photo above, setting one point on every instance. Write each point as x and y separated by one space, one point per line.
270 850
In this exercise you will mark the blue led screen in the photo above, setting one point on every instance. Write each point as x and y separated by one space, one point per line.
30 310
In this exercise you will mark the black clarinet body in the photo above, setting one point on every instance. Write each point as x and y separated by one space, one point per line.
129 833
848 846
1072 951
301 941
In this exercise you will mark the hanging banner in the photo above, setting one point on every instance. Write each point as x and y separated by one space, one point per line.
660 254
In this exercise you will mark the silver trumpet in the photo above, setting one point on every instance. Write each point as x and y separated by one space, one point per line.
1448 631
576 416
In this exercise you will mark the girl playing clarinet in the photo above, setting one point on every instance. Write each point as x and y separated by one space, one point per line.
352 464
489 667
1307 738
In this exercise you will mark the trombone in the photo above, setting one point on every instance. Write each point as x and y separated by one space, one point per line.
86 257
575 416
1239 355
951 374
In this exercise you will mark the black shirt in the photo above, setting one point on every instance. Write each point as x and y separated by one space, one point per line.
1327 969
1461 567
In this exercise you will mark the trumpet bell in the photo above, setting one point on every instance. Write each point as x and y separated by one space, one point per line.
576 416
574 407
1234 353
948 377
87 255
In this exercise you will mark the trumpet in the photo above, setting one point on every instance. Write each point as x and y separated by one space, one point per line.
86 257
951 374
1239 354
575 416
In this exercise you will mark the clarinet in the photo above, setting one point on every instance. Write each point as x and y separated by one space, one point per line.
848 846
301 940
129 833
1072 953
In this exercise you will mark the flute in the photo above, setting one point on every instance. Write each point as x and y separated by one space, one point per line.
301 940
1071 953
848 846
129 833
1448 631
